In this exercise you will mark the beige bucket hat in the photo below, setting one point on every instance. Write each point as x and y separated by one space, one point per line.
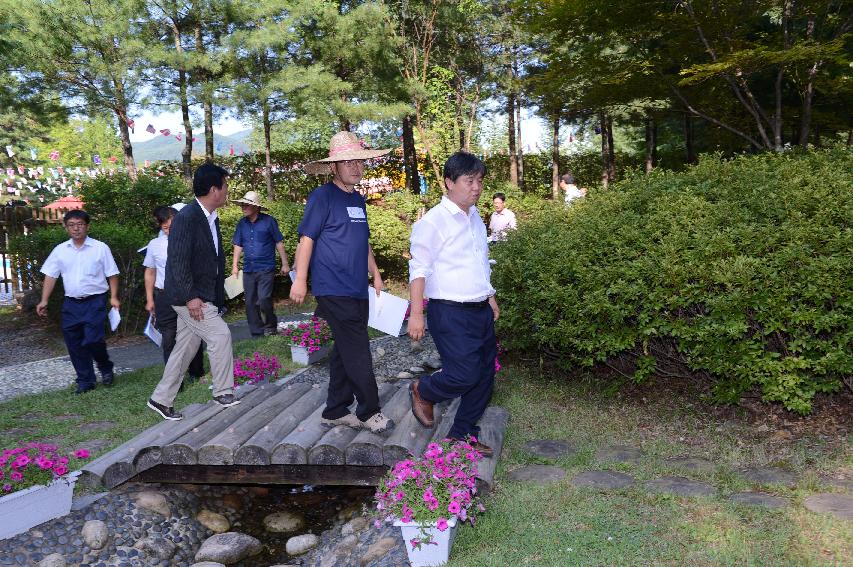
342 147
250 198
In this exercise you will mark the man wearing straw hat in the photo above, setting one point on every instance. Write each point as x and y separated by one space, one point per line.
333 244
258 237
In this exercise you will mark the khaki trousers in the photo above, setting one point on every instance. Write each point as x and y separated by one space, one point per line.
213 331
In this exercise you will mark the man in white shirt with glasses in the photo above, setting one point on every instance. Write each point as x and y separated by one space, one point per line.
450 266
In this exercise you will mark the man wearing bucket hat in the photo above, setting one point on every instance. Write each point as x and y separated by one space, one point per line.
257 237
333 244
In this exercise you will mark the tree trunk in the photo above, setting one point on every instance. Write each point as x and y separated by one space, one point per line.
519 143
611 150
688 139
124 131
849 138
206 98
410 157
460 122
651 144
187 152
513 157
808 92
555 158
605 150
267 144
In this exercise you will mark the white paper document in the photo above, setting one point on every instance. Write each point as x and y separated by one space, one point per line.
152 333
115 319
234 285
386 312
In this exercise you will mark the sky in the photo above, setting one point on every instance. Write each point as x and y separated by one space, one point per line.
532 127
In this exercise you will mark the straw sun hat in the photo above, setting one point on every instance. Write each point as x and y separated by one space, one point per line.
342 147
250 198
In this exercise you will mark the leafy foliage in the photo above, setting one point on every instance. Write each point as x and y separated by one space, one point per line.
736 270
133 202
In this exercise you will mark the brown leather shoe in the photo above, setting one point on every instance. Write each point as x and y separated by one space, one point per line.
481 448
421 408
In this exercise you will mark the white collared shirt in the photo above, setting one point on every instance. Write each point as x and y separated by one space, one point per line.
500 223
84 270
211 220
449 249
155 257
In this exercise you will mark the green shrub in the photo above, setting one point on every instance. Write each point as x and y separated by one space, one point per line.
117 197
389 238
738 270
123 240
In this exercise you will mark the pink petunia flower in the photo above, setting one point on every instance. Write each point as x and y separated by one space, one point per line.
441 524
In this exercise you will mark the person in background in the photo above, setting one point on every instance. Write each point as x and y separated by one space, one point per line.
195 286
88 271
258 237
165 318
567 184
333 244
502 220
450 266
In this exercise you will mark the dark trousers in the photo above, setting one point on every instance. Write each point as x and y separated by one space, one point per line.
83 331
167 324
465 339
259 309
350 364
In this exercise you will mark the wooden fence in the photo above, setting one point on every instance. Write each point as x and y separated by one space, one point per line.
20 220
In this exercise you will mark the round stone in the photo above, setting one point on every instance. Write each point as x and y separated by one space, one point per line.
155 502
53 560
840 505
759 499
404 375
548 448
416 370
542 474
217 523
228 548
378 550
283 522
95 534
767 475
618 454
297 545
693 464
604 480
679 486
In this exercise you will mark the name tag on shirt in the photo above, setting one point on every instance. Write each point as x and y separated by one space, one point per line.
355 212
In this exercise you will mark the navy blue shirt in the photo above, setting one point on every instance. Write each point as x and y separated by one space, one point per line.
258 240
337 223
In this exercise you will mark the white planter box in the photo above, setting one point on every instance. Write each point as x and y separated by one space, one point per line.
24 509
300 354
430 555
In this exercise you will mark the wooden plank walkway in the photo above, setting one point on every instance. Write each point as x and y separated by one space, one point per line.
275 437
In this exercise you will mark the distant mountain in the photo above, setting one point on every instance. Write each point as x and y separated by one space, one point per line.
168 148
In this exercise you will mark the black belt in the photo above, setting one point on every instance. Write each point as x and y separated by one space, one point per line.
465 304
84 298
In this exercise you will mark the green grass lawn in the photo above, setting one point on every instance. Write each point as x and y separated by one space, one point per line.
559 525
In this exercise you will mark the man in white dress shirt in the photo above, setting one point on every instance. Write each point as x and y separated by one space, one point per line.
88 271
502 220
450 266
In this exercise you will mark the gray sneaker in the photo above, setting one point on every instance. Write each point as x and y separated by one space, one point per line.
226 400
378 423
349 420
164 411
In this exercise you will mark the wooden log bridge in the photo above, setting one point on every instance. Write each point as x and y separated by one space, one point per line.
274 436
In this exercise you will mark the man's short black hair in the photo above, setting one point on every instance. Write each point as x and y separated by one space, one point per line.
207 176
568 178
164 213
463 163
500 196
76 214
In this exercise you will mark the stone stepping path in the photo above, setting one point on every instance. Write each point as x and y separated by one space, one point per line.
542 474
759 499
619 454
679 486
603 480
840 505
549 448
767 475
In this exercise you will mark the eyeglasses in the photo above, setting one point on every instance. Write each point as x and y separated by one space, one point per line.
352 162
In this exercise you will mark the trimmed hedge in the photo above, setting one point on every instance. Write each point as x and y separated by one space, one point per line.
739 271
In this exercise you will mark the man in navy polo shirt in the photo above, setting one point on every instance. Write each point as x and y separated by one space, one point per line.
88 271
333 244
258 237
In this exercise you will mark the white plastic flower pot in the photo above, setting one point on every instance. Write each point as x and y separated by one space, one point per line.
432 554
300 355
24 509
